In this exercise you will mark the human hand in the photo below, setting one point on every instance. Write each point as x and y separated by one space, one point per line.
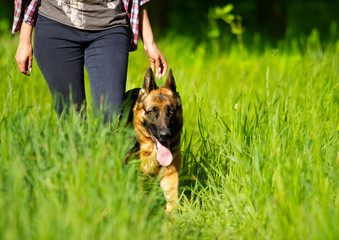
24 53
24 57
157 60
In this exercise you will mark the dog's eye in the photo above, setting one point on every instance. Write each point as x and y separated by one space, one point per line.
171 111
151 112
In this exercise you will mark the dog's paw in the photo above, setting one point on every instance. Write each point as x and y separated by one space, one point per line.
170 207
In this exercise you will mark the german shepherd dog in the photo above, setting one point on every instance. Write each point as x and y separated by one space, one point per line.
157 121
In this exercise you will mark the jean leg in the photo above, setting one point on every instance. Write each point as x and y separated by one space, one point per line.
60 55
106 59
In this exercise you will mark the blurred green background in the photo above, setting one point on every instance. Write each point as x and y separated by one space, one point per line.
271 19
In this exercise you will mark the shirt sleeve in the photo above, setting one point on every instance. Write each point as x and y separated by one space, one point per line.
142 2
24 11
31 12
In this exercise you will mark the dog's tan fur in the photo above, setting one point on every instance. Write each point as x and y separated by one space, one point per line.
163 101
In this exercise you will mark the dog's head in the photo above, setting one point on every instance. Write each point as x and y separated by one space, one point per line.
159 110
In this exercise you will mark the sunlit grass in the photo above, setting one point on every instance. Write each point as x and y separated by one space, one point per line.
260 152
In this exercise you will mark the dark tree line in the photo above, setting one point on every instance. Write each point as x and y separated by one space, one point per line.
271 18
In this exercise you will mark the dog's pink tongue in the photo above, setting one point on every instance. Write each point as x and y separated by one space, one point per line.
164 155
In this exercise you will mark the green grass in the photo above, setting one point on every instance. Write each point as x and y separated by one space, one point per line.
260 151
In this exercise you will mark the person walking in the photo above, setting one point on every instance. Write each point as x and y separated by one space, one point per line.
97 34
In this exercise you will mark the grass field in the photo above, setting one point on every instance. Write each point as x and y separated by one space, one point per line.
260 151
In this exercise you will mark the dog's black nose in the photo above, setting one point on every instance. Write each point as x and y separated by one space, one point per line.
164 135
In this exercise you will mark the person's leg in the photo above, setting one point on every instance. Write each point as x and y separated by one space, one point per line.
106 59
59 54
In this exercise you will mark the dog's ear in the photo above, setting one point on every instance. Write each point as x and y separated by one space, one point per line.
149 84
170 82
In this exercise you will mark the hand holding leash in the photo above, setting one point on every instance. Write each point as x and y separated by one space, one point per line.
156 58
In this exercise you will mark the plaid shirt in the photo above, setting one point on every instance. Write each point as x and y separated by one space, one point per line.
27 11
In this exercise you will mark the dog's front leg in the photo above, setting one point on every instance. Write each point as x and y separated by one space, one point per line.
169 182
